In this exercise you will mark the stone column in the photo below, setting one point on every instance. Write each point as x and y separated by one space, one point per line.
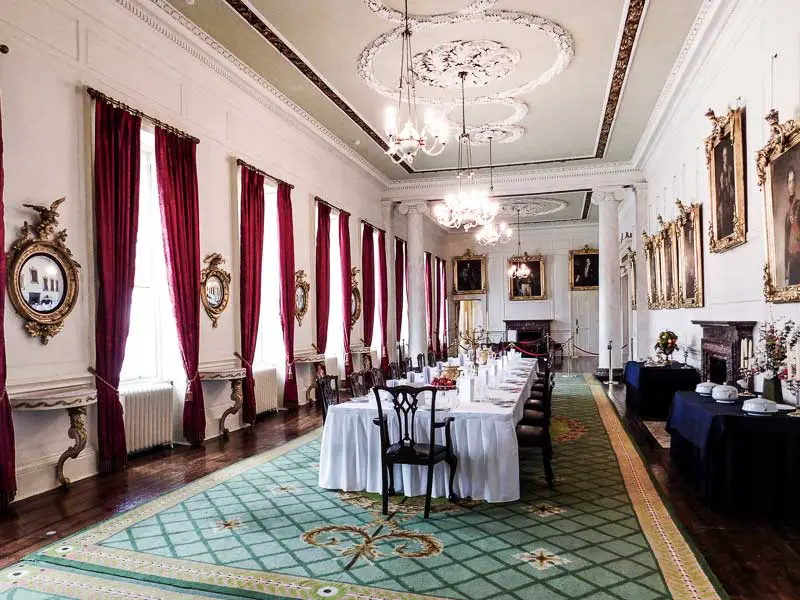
391 327
642 311
610 317
416 278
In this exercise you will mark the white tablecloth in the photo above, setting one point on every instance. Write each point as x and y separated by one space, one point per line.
484 440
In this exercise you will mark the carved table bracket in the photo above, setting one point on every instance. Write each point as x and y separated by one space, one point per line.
236 376
75 401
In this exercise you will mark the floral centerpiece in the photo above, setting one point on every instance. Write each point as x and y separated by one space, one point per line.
775 337
667 343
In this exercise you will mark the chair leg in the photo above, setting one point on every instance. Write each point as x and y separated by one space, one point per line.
452 462
385 488
429 491
392 491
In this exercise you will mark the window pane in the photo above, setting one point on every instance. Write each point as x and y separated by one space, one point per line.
141 361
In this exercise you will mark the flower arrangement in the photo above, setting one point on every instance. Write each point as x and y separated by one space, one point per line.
667 342
774 340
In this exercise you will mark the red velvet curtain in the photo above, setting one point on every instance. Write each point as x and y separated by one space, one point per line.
8 478
323 274
429 299
399 279
445 334
286 245
437 313
116 203
368 279
176 170
347 287
251 252
384 283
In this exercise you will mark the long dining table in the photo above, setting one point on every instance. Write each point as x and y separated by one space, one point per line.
483 435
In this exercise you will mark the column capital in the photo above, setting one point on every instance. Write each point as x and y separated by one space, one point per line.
410 208
613 195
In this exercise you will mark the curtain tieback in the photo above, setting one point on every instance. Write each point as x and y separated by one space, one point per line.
289 369
191 381
103 380
246 362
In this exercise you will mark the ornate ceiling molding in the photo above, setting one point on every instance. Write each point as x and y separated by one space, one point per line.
204 48
536 206
484 62
395 16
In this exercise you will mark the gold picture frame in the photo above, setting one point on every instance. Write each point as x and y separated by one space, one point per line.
689 226
587 274
469 273
302 293
529 288
778 165
355 298
215 287
653 266
43 281
727 174
668 252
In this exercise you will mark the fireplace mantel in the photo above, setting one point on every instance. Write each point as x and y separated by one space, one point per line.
722 342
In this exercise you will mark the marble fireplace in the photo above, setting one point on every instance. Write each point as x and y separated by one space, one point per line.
720 348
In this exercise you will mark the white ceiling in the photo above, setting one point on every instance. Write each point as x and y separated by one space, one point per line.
558 120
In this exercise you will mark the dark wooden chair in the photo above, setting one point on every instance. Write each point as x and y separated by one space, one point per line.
420 362
407 365
358 383
531 436
406 450
395 371
537 412
431 359
327 393
374 377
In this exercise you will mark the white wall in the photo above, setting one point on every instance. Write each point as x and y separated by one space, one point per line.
561 305
57 48
736 65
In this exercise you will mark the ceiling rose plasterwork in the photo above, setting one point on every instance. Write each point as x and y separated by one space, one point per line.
475 12
395 16
502 134
484 62
533 208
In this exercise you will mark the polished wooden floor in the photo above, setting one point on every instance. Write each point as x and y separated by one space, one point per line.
753 559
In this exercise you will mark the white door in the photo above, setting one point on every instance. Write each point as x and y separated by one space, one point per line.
585 310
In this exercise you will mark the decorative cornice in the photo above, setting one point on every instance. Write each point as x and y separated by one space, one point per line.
530 180
696 45
204 48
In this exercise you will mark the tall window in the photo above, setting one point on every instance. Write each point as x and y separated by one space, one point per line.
404 295
335 346
376 317
269 345
151 312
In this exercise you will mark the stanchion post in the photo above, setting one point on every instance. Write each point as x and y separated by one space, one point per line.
610 365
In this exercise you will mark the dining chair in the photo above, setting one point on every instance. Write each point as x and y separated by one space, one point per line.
532 436
431 359
407 365
358 383
420 363
374 377
395 371
407 450
327 393
537 412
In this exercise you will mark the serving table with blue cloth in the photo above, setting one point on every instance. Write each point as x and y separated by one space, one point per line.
649 389
735 461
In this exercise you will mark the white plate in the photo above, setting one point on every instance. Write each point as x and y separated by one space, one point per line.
785 407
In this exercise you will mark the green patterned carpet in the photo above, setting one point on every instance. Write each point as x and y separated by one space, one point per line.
263 529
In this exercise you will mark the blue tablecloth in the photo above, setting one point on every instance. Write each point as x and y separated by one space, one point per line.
735 461
649 390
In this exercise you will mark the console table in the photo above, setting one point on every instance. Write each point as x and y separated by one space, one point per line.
74 401
236 376
649 389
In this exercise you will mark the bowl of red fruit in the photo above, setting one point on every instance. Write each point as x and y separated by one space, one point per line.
443 383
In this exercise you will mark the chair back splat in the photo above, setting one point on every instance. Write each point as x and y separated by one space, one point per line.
327 393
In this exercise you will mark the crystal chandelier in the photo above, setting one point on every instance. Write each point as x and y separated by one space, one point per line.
519 268
493 234
405 137
466 208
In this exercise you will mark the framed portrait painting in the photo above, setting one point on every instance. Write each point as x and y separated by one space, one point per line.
531 287
652 265
469 273
725 158
668 263
778 167
584 269
690 256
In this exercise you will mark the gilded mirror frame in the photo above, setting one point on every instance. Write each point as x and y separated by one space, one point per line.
355 298
43 239
301 285
213 268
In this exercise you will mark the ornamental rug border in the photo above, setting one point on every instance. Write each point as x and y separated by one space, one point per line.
685 575
25 576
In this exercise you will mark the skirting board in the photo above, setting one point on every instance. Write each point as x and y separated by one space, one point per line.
40 476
